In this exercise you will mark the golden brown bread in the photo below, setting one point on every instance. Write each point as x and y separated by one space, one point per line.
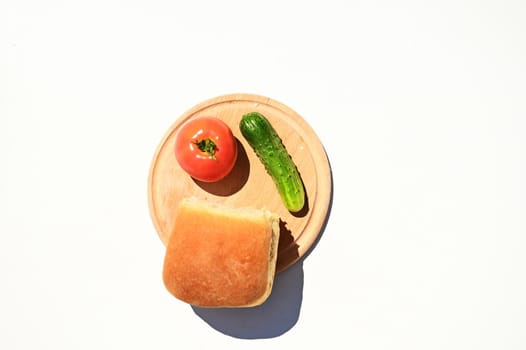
218 256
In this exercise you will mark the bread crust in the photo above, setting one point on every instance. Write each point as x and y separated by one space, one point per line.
219 256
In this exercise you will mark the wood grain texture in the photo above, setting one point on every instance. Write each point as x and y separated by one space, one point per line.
248 185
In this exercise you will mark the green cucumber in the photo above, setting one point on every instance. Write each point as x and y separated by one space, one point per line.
269 148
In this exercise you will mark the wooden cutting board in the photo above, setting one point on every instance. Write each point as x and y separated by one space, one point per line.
248 184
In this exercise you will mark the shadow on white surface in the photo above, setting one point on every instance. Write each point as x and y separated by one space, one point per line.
271 319
281 310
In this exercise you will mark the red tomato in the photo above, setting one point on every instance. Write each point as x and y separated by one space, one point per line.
206 149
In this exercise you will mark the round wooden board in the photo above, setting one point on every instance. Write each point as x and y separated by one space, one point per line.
248 184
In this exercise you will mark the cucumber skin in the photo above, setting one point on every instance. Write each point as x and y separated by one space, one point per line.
269 148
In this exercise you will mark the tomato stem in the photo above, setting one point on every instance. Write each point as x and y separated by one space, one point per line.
207 146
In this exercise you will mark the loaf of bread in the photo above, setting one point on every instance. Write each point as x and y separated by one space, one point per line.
220 256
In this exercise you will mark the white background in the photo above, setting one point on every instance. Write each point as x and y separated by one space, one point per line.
420 105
